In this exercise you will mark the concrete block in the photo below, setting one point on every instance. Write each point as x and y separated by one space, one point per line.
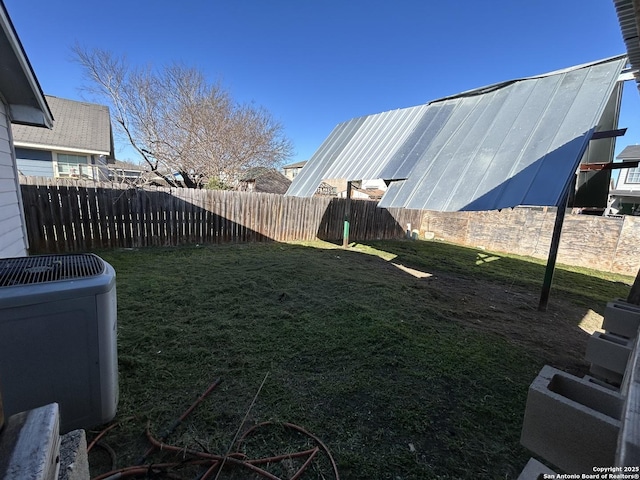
622 318
606 376
74 463
627 304
571 422
534 470
30 445
609 351
602 383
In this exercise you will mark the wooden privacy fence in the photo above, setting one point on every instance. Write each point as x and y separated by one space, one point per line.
73 218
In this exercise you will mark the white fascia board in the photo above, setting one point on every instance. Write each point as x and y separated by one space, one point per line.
59 148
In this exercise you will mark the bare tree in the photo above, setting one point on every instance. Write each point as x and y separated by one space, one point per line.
181 124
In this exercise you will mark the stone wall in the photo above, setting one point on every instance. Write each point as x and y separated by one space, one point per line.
601 243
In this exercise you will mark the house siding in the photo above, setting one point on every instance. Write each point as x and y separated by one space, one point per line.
44 163
624 184
13 242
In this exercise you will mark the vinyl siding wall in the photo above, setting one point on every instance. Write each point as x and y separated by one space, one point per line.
45 163
13 242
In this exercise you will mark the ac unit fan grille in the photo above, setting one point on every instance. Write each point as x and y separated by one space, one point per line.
48 268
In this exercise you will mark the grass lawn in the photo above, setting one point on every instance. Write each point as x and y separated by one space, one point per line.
409 360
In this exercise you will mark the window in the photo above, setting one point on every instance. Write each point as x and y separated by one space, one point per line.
73 165
633 175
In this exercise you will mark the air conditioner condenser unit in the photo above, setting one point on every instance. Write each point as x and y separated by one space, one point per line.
58 326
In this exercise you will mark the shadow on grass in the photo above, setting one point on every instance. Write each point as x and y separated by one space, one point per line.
499 294
589 288
401 375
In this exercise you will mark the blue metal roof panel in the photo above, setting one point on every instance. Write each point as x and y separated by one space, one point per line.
594 87
522 114
504 134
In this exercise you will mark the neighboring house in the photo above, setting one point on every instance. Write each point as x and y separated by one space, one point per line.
337 187
263 180
290 171
625 198
21 102
79 145
124 172
326 190
376 184
364 193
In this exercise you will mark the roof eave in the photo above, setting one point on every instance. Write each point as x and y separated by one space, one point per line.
628 19
61 148
26 106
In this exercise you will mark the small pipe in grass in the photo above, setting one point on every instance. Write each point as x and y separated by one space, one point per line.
180 419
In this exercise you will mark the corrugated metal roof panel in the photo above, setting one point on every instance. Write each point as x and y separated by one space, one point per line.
628 20
309 178
515 143
374 144
416 143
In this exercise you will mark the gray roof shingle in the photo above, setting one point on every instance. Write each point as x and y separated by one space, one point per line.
296 165
630 152
78 126
267 180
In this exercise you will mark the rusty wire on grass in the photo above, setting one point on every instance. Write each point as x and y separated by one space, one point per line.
213 462
299 429
180 419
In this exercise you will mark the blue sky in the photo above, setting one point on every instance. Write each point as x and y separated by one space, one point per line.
314 63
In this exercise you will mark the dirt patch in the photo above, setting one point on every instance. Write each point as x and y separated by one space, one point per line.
558 335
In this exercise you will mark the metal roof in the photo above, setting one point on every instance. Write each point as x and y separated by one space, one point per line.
514 143
628 16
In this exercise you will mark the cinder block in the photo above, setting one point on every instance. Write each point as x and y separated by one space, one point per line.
624 302
622 318
30 445
606 376
571 422
609 351
534 470
610 386
74 464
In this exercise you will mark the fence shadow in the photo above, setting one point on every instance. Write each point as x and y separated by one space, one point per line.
72 218
68 219
367 221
